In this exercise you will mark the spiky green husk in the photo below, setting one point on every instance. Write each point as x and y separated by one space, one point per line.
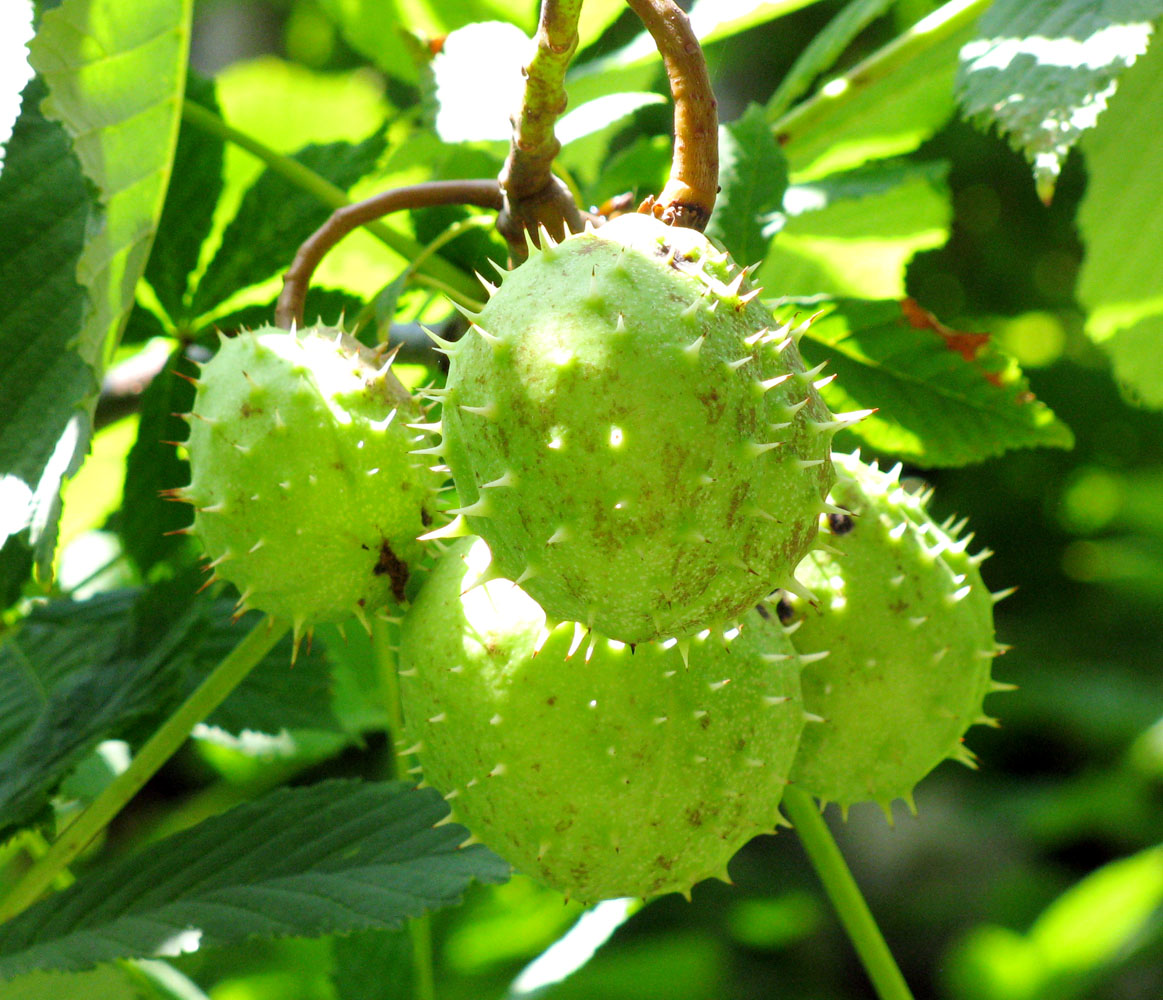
898 648
598 769
306 497
634 435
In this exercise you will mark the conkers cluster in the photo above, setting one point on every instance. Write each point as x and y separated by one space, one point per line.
665 597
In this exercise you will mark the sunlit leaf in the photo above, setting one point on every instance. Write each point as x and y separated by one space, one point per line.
854 233
436 18
110 982
1044 70
943 397
1097 924
823 50
336 856
373 28
1121 220
884 107
115 76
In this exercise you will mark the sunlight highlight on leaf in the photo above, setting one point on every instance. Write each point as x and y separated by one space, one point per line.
1044 71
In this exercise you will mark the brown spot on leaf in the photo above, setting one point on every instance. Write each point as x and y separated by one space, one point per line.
968 345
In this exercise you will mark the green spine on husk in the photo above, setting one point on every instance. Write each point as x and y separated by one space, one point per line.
600 769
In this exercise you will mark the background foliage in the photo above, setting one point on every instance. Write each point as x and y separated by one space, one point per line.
972 209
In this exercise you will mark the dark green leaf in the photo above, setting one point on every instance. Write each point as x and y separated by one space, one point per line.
752 179
1043 70
147 517
15 568
70 684
333 857
365 960
1121 219
277 694
186 219
142 325
44 203
276 216
943 397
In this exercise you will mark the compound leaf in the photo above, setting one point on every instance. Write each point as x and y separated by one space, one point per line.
944 397
1043 71
752 179
338 856
276 216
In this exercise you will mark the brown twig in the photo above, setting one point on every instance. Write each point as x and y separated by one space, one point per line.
289 308
689 196
534 197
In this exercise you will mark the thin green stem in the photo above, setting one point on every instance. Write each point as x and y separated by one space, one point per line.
156 751
944 22
845 895
419 928
327 194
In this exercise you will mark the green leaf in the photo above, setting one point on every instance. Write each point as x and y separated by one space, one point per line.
110 982
436 18
1121 221
374 30
640 168
943 397
44 204
115 76
596 17
333 857
276 216
189 208
752 179
365 960
823 50
143 325
277 694
74 683
586 132
714 20
885 106
634 66
148 519
853 234
1098 924
1044 70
